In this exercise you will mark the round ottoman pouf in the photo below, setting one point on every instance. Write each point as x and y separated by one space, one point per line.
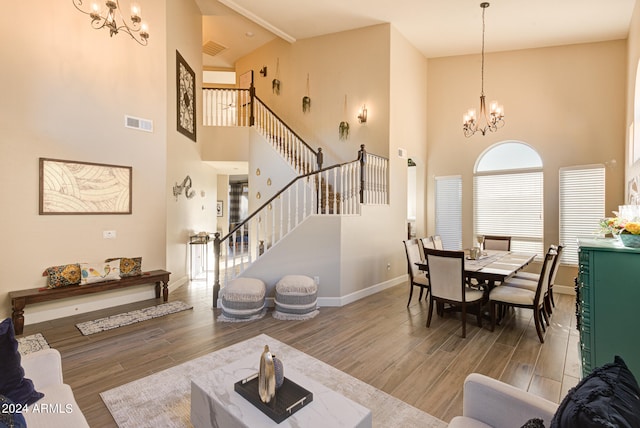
296 298
243 300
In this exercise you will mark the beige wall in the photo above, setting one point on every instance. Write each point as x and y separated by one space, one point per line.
375 66
186 216
633 64
355 63
408 125
66 89
566 102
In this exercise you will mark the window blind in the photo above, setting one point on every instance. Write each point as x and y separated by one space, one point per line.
581 192
511 204
449 211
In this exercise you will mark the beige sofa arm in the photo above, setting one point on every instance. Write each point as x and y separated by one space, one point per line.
500 405
43 367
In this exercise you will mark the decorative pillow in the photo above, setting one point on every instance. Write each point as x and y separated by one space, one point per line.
98 272
10 414
13 384
129 266
608 397
59 276
533 423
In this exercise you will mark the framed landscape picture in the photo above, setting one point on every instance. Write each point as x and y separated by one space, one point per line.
72 187
185 97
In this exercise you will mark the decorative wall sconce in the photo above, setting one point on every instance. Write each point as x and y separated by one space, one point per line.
106 17
186 186
263 71
362 114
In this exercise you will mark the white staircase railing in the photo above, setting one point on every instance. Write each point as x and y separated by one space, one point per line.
337 190
299 155
226 107
307 194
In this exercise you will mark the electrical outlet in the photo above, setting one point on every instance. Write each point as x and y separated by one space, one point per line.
109 234
316 279
388 266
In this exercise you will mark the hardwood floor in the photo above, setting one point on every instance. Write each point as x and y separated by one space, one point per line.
377 339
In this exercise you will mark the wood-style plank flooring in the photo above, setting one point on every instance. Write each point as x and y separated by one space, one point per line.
377 339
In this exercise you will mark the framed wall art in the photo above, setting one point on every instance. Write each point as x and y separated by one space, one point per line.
185 97
72 187
219 209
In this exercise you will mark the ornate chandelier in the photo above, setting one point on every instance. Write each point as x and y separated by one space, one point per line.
492 120
102 17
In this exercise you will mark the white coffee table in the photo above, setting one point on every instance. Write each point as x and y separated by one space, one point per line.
215 403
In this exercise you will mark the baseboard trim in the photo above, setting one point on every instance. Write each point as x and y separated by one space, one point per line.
349 298
361 294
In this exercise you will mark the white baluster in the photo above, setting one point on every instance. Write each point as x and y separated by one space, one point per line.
297 208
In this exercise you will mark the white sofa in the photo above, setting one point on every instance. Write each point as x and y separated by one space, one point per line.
58 408
489 402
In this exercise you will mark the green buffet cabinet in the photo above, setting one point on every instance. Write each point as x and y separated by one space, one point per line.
607 303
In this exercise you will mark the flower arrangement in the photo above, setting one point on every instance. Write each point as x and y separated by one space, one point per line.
616 226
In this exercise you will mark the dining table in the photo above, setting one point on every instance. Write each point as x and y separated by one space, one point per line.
493 266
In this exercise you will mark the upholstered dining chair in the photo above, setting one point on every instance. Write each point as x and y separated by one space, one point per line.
448 286
532 276
437 242
417 278
505 295
493 242
427 242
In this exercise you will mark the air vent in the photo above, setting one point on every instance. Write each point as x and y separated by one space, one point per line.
212 48
138 123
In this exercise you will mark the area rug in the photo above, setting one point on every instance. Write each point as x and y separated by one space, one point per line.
163 399
33 343
115 321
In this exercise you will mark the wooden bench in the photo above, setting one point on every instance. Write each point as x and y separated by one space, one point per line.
21 298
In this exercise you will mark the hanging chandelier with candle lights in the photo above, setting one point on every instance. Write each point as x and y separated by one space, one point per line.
492 120
110 16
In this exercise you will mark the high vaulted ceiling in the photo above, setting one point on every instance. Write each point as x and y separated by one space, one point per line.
435 27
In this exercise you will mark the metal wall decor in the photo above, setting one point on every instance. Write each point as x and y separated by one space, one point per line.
185 97
306 100
275 84
186 186
343 128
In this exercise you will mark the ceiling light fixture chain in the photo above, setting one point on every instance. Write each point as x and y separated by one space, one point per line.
495 118
105 17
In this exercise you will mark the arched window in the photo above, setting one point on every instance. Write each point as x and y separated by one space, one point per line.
508 195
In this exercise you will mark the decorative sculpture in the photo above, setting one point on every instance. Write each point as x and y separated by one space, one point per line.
266 376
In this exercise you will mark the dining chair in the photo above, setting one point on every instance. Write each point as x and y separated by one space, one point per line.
437 242
417 278
427 242
505 296
448 286
492 242
532 276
